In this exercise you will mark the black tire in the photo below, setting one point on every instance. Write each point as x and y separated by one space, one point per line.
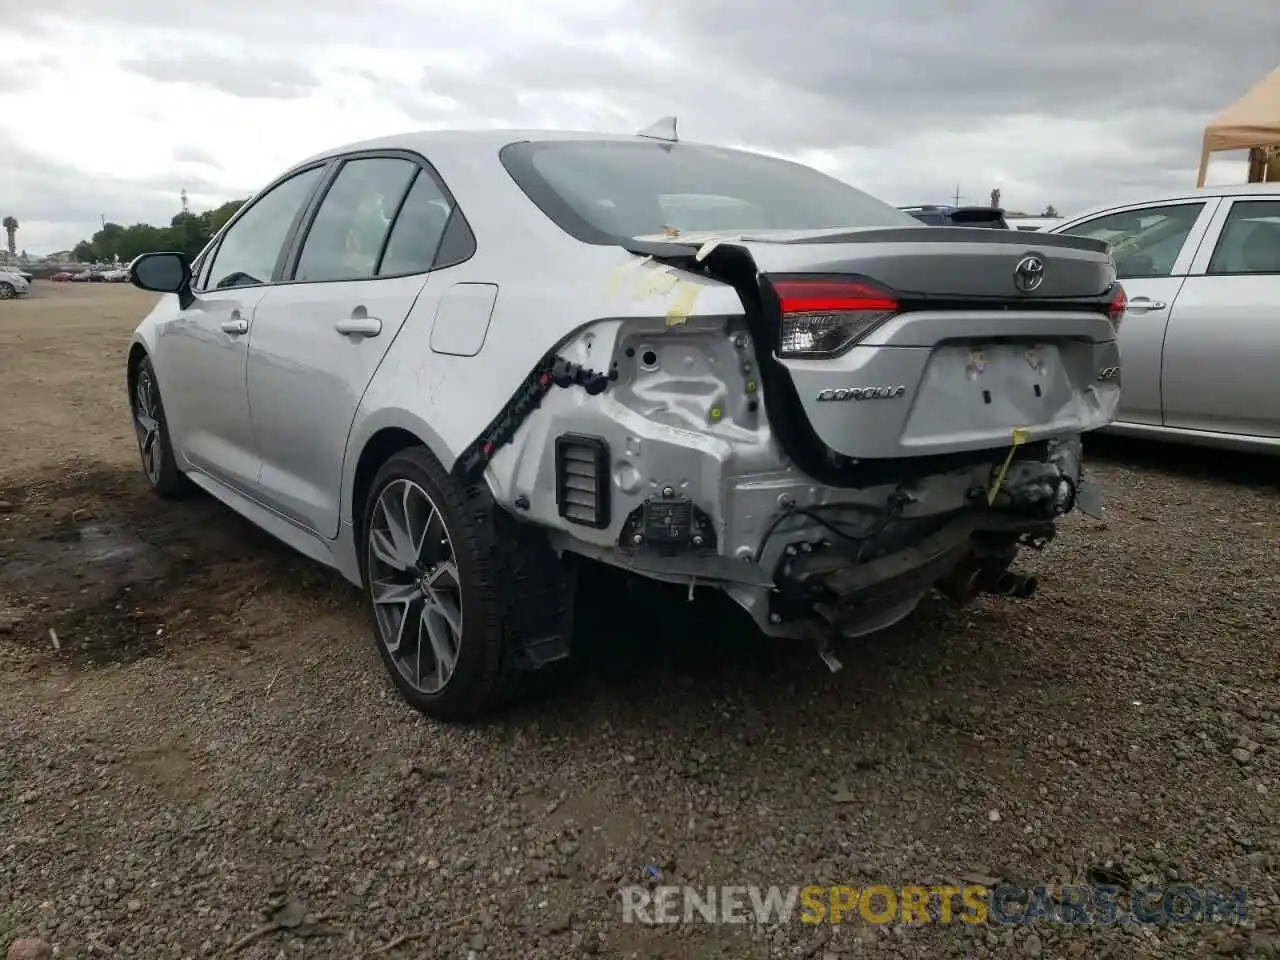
162 473
7 292
511 587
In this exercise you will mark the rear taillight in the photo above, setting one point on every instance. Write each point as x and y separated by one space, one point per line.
824 318
1119 304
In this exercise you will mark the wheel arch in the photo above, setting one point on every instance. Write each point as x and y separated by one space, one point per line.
378 440
137 353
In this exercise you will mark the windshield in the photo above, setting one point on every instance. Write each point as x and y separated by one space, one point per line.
603 190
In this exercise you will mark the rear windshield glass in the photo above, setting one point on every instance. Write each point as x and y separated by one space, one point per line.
601 190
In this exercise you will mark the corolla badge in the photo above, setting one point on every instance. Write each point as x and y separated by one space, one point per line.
862 393
1028 274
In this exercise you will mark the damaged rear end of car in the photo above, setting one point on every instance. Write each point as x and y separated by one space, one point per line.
824 423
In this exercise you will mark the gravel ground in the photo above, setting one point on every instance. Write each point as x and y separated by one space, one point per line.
213 748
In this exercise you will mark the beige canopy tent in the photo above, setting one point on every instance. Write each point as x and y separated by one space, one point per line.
1252 123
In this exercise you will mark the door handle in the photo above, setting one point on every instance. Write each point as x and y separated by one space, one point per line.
359 326
1145 305
235 326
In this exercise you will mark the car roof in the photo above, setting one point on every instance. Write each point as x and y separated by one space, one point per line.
1191 193
485 141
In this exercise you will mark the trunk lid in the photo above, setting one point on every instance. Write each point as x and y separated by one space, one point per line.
996 338
924 262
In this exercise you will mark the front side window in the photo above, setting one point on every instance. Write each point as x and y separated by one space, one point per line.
346 238
601 191
251 246
1250 239
1145 242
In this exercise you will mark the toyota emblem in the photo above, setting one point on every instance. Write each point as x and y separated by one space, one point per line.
1028 274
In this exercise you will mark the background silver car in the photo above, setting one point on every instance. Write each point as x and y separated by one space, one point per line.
13 284
1201 336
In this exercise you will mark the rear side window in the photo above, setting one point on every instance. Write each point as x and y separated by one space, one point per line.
418 230
601 191
346 238
1250 240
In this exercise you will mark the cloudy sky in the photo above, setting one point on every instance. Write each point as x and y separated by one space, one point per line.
111 107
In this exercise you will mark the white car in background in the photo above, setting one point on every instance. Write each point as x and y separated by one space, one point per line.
13 284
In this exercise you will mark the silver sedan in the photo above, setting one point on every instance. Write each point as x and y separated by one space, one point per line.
1201 336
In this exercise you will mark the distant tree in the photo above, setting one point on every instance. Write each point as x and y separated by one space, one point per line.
1050 211
11 230
219 216
186 231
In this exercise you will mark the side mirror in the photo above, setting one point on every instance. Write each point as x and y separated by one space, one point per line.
163 273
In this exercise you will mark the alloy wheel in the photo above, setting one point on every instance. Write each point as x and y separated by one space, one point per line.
6 291
146 424
414 585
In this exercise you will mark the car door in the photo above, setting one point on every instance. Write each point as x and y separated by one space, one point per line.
356 273
201 352
1222 351
1153 246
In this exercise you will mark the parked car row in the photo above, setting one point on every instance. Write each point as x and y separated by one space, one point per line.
115 275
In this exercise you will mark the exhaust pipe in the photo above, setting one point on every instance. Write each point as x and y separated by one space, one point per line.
965 582
961 585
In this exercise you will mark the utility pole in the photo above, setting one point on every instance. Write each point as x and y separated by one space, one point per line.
957 203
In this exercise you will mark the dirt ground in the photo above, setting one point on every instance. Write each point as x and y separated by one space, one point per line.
198 744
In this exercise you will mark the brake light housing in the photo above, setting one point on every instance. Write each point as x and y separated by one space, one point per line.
823 317
1119 304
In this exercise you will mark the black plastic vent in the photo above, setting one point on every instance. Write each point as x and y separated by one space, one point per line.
582 479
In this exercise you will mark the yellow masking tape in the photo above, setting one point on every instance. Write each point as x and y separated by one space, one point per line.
619 274
682 306
656 282
1018 438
